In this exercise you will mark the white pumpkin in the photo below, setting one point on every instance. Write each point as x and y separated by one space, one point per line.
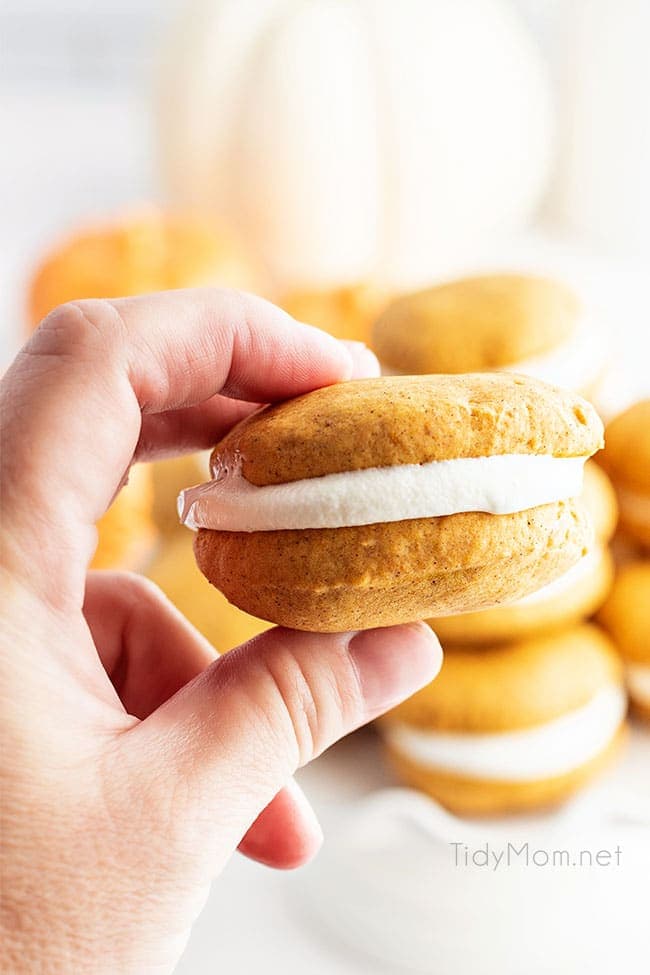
355 139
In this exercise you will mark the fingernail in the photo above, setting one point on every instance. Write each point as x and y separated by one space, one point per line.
365 364
394 662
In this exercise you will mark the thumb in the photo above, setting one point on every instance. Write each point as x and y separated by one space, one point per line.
234 736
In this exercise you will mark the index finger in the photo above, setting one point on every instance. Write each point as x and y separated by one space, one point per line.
73 401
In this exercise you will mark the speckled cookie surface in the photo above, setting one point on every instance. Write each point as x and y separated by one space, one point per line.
408 420
473 324
521 685
626 614
483 797
378 575
518 621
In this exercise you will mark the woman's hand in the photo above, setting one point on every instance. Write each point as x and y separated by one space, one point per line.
135 762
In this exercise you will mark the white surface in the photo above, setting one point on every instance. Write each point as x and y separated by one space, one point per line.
543 751
500 484
390 886
575 364
603 191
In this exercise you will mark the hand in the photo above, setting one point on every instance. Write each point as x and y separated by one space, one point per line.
134 761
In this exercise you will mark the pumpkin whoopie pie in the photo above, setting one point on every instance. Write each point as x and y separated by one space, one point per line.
626 458
626 616
569 598
513 726
514 322
381 501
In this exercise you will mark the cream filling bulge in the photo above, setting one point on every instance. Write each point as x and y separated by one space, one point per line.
499 484
574 364
549 750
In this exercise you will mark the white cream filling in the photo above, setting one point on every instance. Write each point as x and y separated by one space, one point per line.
638 682
554 748
581 570
634 505
574 364
500 484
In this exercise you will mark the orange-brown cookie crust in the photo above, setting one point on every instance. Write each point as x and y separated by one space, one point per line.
408 420
329 580
519 621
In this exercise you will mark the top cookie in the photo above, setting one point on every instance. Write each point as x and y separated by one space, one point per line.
486 322
408 420
519 685
626 456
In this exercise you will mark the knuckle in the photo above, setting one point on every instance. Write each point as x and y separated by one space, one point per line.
142 590
316 691
73 329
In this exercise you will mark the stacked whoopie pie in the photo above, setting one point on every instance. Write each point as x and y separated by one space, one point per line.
520 323
500 729
626 614
508 727
457 498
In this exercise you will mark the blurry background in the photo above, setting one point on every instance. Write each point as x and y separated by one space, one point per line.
75 79
80 140
368 145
